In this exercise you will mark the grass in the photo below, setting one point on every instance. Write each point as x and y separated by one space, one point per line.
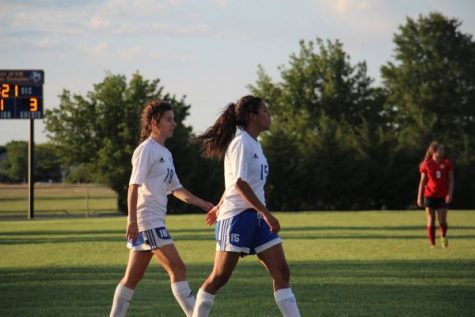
342 264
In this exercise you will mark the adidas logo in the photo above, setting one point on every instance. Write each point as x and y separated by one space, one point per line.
162 160
255 156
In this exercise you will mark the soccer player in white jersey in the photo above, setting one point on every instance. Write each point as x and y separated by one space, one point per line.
243 223
153 178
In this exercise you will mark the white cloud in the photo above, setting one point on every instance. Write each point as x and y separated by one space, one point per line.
99 50
129 54
346 6
184 58
155 55
187 30
99 22
222 3
175 2
47 43
127 8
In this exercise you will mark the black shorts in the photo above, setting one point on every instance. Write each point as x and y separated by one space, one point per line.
435 203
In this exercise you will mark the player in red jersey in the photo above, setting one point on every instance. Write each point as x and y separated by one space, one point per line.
436 186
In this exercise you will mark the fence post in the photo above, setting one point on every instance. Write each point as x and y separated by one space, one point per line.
87 201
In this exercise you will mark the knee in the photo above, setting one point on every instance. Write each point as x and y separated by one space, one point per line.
282 274
130 280
218 279
177 270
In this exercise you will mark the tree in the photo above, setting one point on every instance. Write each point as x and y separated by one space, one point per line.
15 166
97 134
431 88
47 163
320 108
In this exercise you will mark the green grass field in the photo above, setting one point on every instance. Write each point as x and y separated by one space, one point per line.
342 264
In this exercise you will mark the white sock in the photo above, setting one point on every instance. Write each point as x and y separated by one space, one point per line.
204 302
286 302
184 297
120 304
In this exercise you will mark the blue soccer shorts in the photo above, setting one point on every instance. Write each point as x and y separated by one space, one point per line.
246 233
150 239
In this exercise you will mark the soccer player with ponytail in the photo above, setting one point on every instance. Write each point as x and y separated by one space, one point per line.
244 225
436 186
153 178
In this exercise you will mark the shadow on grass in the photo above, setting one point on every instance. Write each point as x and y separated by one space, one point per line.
335 288
370 228
310 233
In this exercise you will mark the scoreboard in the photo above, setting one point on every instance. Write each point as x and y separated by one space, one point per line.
21 94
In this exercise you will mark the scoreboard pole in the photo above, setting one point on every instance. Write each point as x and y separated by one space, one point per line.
21 97
31 171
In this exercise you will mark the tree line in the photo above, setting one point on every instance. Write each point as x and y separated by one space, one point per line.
338 141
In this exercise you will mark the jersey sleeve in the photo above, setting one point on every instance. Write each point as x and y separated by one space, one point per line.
239 158
141 162
450 166
174 183
423 168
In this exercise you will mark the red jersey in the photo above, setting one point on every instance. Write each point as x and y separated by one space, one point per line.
437 185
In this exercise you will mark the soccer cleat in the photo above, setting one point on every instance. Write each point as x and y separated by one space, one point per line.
444 242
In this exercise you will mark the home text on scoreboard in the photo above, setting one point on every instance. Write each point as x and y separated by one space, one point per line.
21 94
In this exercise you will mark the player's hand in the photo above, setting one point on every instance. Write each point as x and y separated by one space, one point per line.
212 215
272 222
448 199
206 205
132 231
419 203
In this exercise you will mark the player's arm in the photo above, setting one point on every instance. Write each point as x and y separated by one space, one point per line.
248 194
132 226
422 184
448 199
186 196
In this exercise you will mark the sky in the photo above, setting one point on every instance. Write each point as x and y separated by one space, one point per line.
208 51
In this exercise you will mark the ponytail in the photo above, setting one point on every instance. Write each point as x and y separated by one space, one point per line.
215 139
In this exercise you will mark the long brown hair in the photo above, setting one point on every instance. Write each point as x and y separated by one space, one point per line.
153 110
216 138
431 149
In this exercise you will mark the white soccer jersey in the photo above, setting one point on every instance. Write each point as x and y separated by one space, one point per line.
153 170
244 159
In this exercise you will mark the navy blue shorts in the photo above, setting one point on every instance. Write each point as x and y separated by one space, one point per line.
246 233
435 203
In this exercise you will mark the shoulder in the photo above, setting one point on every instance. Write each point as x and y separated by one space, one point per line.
166 152
146 148
448 163
140 147
238 141
423 165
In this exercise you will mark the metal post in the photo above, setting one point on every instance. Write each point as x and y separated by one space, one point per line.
87 201
31 171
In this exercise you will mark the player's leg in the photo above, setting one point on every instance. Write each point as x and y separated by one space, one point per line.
274 261
224 264
443 226
233 238
136 267
171 261
168 257
430 225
